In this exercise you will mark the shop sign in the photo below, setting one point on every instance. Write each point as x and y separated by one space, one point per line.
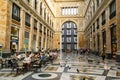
16 38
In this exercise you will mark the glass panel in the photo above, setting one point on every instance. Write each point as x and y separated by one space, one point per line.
63 46
72 11
63 11
62 32
75 32
63 39
75 39
34 42
75 46
69 46
69 10
68 32
68 39
16 10
14 31
112 7
26 34
35 23
75 11
26 43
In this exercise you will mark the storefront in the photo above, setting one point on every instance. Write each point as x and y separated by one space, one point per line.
14 39
113 40
26 40
34 42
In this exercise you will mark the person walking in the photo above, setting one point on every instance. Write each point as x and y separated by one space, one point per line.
103 55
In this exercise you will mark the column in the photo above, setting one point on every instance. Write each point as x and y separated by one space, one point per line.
38 6
118 30
38 35
46 39
31 33
108 36
5 24
42 36
108 43
101 41
52 40
22 31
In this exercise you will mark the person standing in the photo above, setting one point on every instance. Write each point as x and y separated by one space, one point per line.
103 55
37 49
27 61
42 50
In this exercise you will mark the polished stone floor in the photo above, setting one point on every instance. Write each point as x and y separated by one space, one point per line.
71 67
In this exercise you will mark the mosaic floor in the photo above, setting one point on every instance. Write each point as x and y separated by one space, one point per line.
73 67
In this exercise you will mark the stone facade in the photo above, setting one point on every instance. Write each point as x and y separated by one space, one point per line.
54 21
8 24
5 22
111 46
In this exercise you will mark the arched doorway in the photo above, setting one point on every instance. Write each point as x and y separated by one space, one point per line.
69 36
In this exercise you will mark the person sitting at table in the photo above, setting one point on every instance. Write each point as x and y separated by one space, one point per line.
27 61
43 58
18 56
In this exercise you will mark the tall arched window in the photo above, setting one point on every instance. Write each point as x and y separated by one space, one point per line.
69 36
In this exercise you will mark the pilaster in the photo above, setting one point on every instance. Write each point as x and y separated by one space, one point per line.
31 33
118 30
22 31
5 25
38 35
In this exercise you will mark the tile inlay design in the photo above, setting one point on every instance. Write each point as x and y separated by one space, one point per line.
77 77
51 68
44 76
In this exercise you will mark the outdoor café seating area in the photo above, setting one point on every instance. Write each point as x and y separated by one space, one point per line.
29 61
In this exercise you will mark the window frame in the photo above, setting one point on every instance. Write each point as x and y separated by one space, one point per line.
27 19
103 17
16 14
112 9
35 24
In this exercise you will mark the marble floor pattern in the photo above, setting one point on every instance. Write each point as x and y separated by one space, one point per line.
72 67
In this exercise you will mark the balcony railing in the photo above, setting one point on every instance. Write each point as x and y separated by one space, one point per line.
44 32
112 15
27 24
97 26
103 22
40 30
35 28
15 17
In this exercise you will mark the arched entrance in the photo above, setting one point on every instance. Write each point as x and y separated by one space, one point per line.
69 36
